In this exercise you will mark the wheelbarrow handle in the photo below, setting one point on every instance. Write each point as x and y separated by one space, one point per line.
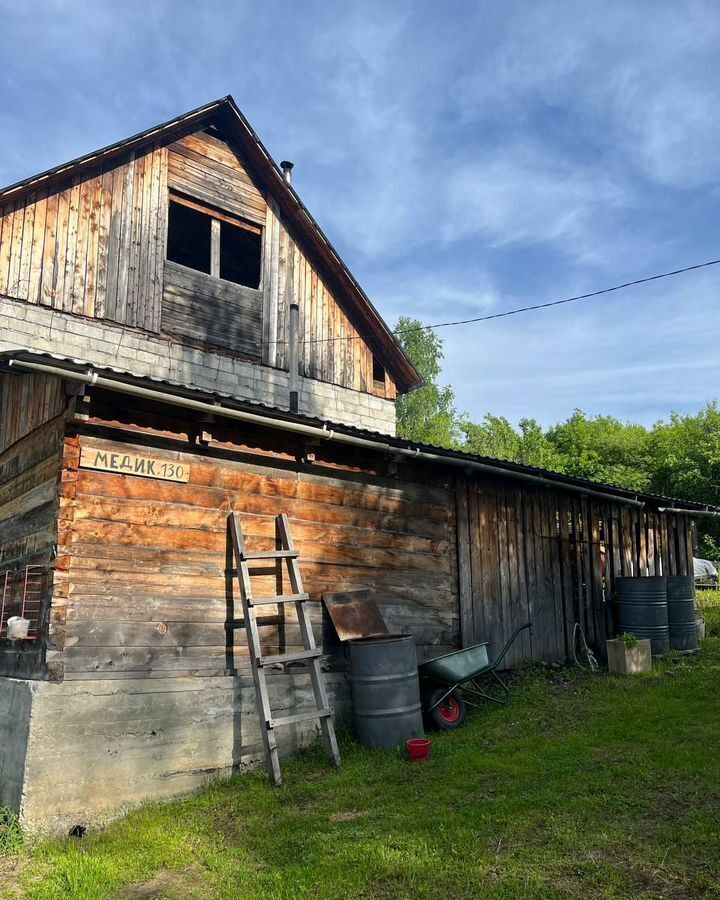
510 643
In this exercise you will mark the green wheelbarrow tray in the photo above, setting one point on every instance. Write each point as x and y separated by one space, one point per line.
461 669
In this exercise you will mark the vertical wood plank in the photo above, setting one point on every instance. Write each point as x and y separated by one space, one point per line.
215 248
81 247
60 264
49 255
113 241
96 201
38 246
70 288
161 240
122 300
103 233
28 240
6 229
567 552
534 641
13 287
465 592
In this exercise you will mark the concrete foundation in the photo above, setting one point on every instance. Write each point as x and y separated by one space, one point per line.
85 752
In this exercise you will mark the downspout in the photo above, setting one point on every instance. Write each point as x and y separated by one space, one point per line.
324 433
293 369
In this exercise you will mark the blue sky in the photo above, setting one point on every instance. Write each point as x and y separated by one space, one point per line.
465 158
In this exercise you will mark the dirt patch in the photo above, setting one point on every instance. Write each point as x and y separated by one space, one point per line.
350 815
169 885
10 870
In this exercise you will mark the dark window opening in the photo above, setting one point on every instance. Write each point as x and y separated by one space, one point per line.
378 370
189 237
214 242
240 251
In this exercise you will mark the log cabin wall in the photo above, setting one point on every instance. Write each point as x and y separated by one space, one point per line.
95 246
137 552
33 410
156 697
551 557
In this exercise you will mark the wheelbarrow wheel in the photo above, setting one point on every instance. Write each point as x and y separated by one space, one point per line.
449 714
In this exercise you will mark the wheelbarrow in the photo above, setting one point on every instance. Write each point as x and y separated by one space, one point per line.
443 678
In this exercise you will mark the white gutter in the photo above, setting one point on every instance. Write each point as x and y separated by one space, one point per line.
323 433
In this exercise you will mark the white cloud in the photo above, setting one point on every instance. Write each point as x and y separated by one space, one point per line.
523 195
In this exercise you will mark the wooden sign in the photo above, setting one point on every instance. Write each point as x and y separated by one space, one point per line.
133 464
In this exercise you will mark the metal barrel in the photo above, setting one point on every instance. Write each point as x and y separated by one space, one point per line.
385 690
642 610
681 612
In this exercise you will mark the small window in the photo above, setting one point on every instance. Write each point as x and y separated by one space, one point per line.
378 370
214 242
189 237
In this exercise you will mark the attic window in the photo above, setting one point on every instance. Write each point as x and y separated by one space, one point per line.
189 237
378 371
214 242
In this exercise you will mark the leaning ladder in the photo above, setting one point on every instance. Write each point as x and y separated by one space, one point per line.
310 655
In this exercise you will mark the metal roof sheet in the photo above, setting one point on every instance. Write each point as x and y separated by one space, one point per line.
502 465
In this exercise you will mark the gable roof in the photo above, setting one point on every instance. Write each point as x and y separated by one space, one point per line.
226 113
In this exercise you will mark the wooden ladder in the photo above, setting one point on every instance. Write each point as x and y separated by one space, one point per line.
310 655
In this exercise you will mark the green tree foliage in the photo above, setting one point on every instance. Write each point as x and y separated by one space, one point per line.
428 414
496 437
603 449
685 460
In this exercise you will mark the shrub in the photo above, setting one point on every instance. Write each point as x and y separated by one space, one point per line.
11 836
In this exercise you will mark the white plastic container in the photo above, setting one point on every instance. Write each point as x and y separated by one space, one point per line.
17 628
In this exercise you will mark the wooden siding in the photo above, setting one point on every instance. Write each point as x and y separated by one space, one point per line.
137 552
211 312
32 421
551 557
204 167
95 247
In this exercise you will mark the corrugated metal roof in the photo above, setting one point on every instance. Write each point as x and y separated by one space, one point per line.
502 465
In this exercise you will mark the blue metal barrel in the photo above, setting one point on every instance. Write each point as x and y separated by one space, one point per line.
642 610
386 690
681 612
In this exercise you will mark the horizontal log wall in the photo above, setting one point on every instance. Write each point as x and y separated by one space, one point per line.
552 557
200 308
137 552
32 424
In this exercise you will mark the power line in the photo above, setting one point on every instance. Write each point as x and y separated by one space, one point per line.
521 309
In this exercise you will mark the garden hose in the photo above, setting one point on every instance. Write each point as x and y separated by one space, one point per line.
592 663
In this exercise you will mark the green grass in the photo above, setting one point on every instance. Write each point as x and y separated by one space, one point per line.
584 787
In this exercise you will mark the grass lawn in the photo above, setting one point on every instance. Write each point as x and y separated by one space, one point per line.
586 786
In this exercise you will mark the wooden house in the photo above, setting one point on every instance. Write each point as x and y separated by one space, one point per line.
180 341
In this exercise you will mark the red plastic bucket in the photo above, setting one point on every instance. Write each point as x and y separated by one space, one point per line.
418 749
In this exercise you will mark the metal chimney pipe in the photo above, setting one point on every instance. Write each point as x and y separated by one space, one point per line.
287 168
293 367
